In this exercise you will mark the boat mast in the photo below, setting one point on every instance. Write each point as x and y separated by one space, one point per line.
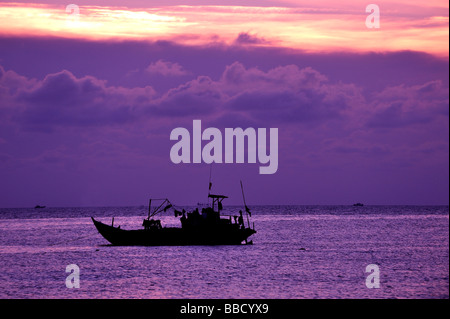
149 205
210 184
245 205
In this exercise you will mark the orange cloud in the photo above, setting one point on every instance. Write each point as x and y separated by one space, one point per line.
312 28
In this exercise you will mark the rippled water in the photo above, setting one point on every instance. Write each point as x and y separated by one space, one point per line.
298 252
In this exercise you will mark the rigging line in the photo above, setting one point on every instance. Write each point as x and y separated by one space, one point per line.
157 209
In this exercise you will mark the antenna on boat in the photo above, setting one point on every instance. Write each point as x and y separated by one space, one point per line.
149 206
247 211
210 184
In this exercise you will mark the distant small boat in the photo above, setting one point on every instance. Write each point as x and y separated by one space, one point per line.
38 206
358 204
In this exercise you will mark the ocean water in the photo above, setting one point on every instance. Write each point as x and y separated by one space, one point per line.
298 252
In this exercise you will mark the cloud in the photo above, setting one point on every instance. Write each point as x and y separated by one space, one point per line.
284 95
11 82
239 77
166 68
61 99
303 27
287 94
341 118
198 97
247 38
402 105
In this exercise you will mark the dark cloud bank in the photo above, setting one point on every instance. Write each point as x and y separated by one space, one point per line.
357 115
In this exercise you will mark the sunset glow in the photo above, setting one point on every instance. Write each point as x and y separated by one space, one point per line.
310 28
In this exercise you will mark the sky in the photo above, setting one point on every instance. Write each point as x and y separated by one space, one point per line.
88 101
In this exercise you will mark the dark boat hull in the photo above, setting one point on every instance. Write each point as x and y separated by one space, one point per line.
172 236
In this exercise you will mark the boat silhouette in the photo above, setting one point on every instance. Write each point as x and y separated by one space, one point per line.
205 227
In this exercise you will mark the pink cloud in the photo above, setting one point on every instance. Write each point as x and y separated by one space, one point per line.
61 99
166 68
307 25
247 38
284 95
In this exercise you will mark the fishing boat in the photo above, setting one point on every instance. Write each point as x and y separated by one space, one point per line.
198 227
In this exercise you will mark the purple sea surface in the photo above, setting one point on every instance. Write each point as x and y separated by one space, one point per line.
298 252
